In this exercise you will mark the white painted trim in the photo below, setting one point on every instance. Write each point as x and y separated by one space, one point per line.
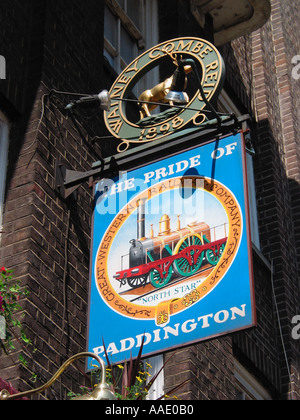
157 389
234 24
248 384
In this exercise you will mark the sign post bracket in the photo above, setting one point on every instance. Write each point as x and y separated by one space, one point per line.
67 181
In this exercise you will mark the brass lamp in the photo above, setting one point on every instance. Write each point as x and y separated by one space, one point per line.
101 392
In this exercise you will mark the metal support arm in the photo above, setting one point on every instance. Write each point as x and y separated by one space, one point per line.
67 181
102 390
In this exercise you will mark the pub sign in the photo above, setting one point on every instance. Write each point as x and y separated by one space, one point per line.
171 253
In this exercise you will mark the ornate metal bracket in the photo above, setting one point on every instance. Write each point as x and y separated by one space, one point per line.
67 181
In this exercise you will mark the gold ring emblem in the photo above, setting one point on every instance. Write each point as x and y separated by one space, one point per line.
210 64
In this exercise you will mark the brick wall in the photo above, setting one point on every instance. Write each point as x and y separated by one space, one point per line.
275 106
202 372
259 80
47 239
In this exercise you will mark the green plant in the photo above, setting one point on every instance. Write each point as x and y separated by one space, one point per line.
83 390
129 381
126 389
133 381
10 295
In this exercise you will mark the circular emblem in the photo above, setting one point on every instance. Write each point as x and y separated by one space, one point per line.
211 69
174 262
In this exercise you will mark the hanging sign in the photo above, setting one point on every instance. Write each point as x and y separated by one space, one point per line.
171 253
146 127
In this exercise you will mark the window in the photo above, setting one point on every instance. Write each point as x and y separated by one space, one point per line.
130 26
157 390
227 106
4 131
247 386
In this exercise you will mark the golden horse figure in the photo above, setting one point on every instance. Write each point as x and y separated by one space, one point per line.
150 99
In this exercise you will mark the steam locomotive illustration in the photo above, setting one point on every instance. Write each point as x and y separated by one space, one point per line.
180 253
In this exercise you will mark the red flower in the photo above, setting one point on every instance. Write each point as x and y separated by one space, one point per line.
1 304
3 270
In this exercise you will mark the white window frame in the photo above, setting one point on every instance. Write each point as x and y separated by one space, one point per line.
228 106
145 38
157 389
4 141
247 386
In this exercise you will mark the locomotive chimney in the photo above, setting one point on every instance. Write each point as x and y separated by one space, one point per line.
141 231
